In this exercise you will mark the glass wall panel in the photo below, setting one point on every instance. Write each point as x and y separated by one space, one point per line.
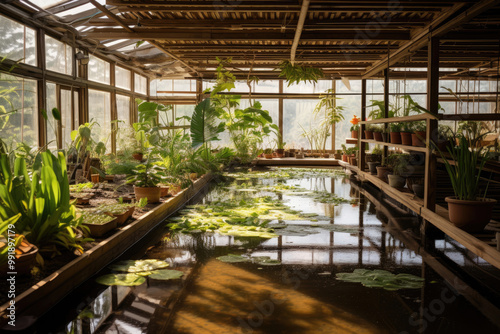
123 78
20 104
17 42
352 106
50 103
66 120
308 88
98 70
58 56
100 112
140 83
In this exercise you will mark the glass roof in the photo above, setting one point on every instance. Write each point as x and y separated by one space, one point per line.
46 3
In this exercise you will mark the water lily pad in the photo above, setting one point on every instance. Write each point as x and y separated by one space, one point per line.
121 279
135 266
233 258
382 279
166 274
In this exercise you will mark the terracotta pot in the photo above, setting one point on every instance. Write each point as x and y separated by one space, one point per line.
382 172
138 156
122 218
164 191
151 193
372 165
95 178
418 138
299 156
344 157
280 152
109 178
470 216
97 230
326 155
378 136
24 261
354 134
396 181
395 137
268 156
406 138
368 134
337 156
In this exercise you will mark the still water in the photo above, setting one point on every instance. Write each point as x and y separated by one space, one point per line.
325 227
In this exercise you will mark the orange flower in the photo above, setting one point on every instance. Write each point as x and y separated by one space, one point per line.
355 120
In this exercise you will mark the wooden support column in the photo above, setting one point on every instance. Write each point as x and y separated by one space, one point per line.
334 132
386 107
432 105
362 146
280 109
114 107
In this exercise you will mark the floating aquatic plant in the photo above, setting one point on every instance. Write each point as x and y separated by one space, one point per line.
166 274
121 279
136 266
382 279
261 260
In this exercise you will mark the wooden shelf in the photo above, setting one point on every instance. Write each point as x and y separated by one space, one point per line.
351 140
438 218
469 117
404 147
412 118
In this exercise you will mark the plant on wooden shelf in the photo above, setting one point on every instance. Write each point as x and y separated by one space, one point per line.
355 127
399 165
268 153
418 135
406 132
469 209
378 131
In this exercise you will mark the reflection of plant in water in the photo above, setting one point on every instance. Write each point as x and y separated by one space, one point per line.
382 279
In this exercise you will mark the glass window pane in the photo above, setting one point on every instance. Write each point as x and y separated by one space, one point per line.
76 108
66 117
98 70
267 86
58 56
122 78
140 83
183 110
20 99
352 106
299 122
17 42
100 112
50 103
308 88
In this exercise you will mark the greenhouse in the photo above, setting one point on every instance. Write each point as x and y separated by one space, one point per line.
196 166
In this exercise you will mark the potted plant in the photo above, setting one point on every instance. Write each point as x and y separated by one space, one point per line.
383 170
399 165
406 132
395 132
374 160
369 131
469 209
268 153
377 132
344 153
146 178
418 135
338 154
280 145
355 127
77 192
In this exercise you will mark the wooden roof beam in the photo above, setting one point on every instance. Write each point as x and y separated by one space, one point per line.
130 30
438 27
257 35
298 29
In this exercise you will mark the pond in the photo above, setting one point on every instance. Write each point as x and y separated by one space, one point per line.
280 251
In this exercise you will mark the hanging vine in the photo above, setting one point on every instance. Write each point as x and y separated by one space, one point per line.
294 74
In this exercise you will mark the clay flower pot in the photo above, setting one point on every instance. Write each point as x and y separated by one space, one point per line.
280 153
405 138
377 136
417 138
382 172
354 134
153 194
396 181
395 137
268 156
368 134
372 165
470 216
95 178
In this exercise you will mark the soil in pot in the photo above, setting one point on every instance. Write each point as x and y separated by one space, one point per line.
396 181
378 136
372 165
417 139
395 137
405 138
470 216
153 194
382 172
368 134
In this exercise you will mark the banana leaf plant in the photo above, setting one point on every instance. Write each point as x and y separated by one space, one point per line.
204 126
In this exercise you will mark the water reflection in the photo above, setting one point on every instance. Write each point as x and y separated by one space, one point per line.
301 295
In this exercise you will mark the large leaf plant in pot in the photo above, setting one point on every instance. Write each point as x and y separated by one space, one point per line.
146 178
399 164
469 209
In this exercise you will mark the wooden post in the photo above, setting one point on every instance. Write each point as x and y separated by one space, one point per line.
362 146
114 107
386 107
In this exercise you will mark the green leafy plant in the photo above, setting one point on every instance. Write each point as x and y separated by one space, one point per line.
354 127
398 163
295 74
147 175
203 124
469 158
395 127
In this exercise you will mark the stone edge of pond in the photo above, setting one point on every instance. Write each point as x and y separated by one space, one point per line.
53 288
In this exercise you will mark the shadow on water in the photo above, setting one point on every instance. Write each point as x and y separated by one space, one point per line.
301 295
